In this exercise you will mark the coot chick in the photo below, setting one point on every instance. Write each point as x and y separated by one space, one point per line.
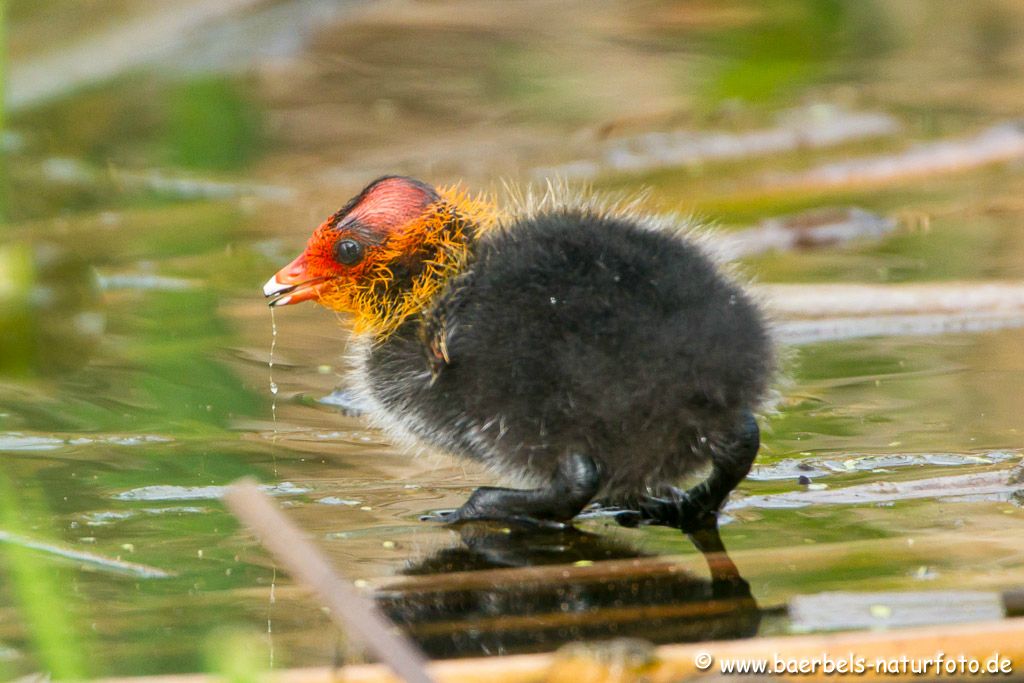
590 354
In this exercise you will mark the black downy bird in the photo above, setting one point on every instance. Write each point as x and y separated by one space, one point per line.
592 354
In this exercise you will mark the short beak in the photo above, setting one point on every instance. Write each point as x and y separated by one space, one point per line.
293 284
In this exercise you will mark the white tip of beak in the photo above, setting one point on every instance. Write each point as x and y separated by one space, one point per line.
273 288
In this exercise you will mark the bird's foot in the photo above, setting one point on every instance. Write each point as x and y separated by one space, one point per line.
550 507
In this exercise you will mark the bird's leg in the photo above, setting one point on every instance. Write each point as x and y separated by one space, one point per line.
696 510
725 577
575 483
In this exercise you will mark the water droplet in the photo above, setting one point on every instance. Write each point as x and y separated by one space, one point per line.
273 384
273 412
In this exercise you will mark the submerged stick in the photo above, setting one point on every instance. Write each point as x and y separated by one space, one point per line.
348 608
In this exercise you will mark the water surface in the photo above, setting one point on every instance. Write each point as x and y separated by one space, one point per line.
134 378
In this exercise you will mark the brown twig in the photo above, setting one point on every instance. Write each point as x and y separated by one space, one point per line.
348 608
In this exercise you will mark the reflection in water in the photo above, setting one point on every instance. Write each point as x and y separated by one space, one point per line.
505 591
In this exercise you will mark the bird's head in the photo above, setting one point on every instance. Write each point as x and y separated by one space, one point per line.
385 254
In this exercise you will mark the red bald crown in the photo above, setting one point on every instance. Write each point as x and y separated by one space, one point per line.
385 205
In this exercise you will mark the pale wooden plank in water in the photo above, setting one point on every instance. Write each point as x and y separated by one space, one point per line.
677 662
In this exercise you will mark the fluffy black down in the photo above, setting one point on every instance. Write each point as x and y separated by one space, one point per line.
575 331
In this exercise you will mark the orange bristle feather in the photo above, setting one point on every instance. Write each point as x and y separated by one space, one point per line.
443 232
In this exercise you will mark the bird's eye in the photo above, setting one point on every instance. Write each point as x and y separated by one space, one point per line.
348 252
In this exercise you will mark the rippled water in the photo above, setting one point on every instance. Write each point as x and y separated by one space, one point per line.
134 376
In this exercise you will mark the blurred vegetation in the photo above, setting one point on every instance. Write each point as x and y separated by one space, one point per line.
794 43
211 125
208 123
17 329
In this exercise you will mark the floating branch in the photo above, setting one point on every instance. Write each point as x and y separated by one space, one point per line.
349 609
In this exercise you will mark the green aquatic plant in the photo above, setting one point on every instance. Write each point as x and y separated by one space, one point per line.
39 592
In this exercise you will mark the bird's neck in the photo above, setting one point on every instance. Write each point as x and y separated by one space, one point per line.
434 250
